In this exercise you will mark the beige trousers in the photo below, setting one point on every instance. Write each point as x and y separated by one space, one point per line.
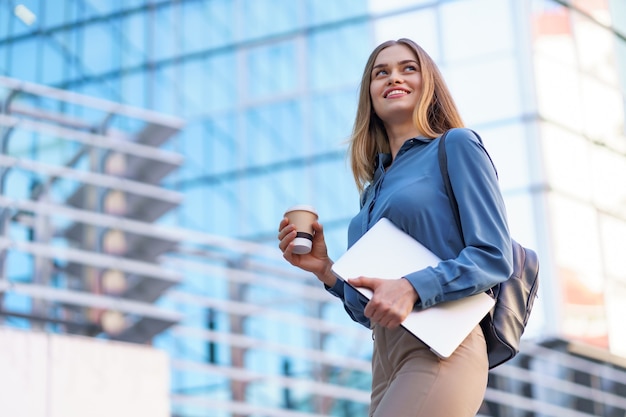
408 380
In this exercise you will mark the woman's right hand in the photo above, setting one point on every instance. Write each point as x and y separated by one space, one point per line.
316 261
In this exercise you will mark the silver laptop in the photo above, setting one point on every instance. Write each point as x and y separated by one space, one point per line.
387 252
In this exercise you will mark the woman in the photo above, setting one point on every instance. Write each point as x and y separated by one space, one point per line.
404 107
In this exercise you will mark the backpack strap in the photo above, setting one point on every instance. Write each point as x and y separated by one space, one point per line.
443 166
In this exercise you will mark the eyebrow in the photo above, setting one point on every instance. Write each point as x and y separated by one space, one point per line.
406 61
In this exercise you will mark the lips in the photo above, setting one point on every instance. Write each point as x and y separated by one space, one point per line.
395 92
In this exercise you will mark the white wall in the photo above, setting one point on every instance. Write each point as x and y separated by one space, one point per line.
49 375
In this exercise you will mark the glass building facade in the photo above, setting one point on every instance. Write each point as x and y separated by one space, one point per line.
242 108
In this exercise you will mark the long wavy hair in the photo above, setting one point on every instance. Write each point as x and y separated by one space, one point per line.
434 113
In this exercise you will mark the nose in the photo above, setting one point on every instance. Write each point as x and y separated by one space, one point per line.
395 78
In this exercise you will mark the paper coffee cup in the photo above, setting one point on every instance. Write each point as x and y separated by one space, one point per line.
303 217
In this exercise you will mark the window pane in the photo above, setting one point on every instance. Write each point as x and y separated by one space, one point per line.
378 6
319 12
100 58
22 53
198 34
336 57
273 70
566 159
486 90
608 169
221 84
420 26
55 63
163 27
265 17
476 28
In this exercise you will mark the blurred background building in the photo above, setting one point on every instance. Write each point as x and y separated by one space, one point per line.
149 149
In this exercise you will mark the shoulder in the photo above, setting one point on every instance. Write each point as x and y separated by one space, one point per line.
465 147
463 141
462 136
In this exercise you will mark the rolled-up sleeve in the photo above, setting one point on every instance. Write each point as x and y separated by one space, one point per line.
354 302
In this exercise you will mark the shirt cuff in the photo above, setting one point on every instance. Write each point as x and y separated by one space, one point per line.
427 286
337 289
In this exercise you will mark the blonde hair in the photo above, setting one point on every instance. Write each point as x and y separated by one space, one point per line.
434 113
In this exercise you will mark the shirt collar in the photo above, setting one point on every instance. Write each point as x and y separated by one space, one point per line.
384 159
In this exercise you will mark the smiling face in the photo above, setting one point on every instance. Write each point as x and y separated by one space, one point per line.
396 84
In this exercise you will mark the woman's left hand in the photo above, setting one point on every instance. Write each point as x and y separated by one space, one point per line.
392 301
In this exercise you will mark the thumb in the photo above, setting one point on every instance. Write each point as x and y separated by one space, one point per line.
366 282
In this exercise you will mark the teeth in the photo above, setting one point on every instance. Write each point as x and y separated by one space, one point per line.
392 92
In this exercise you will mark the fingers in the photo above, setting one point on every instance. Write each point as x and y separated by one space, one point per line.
318 229
391 302
371 283
383 314
286 234
284 228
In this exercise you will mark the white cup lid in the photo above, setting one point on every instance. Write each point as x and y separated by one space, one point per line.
303 207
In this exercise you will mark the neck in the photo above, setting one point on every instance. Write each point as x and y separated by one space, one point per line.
398 134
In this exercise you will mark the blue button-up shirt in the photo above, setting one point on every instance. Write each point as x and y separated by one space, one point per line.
410 192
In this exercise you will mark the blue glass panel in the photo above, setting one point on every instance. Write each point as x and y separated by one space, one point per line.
133 89
4 59
22 25
163 28
207 24
6 21
99 48
318 12
106 90
332 118
17 184
273 70
195 86
337 56
220 86
333 180
53 70
386 6
219 134
195 27
51 149
164 91
283 188
274 132
193 145
421 25
54 14
263 206
130 4
22 57
264 17
66 41
100 7
74 10
134 33
17 303
221 209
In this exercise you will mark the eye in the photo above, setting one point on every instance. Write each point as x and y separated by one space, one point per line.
380 72
410 68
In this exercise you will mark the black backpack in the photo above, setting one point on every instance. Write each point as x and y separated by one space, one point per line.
504 325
